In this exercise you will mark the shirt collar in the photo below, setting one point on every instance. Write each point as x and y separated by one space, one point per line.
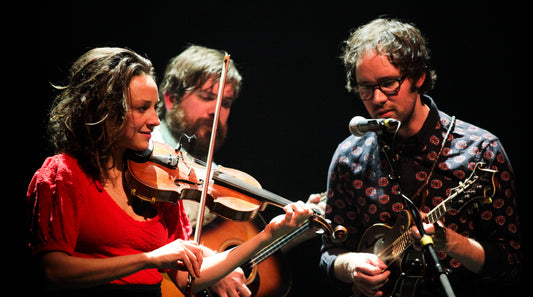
431 120
167 136
418 142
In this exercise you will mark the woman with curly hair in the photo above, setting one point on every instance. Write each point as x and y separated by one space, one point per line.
88 236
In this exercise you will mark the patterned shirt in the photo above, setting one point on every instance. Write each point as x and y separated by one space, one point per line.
360 193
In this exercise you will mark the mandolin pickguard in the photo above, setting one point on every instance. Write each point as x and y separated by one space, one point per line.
380 236
405 273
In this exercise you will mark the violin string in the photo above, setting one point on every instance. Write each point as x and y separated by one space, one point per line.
273 247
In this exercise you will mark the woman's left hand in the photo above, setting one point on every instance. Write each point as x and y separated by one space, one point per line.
295 214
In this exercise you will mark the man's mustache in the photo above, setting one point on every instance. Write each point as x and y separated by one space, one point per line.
208 123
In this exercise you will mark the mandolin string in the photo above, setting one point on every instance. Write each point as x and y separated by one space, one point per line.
403 242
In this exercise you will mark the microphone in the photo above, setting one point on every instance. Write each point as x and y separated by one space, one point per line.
359 126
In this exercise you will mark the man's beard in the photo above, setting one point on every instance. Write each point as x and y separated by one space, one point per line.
179 124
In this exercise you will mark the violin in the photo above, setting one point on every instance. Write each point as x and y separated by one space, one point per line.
170 176
222 193
165 174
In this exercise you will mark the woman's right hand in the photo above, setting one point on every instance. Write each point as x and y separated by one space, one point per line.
185 255
62 270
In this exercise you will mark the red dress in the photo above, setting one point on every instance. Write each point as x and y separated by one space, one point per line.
72 213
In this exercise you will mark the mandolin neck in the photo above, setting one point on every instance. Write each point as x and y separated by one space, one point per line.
436 213
404 241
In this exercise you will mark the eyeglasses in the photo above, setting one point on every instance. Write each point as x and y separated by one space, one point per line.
389 87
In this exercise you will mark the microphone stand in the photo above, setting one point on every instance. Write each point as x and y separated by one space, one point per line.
425 240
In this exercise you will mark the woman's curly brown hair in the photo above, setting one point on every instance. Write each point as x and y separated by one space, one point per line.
90 112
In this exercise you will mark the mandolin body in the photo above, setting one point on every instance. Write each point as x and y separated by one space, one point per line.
406 267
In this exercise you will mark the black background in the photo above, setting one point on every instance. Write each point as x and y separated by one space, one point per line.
293 109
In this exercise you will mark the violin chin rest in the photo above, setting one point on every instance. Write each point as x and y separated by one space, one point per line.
141 156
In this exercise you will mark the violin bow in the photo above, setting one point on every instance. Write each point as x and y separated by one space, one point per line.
209 162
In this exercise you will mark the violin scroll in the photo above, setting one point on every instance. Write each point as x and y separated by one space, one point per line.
329 234
340 233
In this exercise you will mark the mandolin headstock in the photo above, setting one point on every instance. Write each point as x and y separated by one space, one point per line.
481 184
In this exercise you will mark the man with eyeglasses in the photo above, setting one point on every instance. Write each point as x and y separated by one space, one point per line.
387 67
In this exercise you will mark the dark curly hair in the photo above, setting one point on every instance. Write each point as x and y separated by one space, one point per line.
402 43
90 112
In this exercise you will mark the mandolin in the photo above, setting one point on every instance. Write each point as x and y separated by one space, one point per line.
390 243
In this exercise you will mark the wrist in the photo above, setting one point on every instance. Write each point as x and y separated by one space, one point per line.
342 268
266 236
466 250
207 251
441 237
148 260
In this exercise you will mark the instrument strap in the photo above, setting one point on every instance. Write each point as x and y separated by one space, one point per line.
426 182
